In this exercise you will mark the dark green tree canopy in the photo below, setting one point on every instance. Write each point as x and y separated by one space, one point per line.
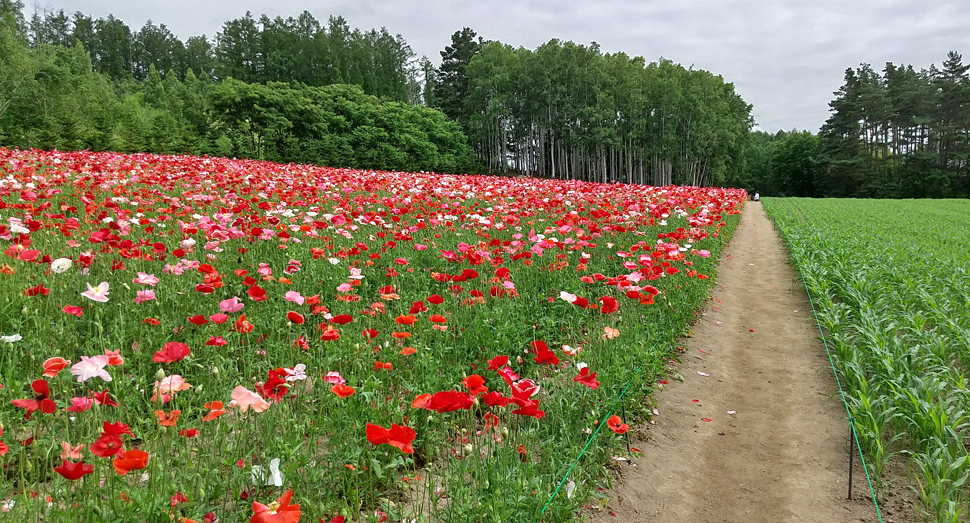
899 134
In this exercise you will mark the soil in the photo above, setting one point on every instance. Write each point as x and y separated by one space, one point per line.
767 438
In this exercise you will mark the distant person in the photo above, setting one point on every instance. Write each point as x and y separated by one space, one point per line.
757 197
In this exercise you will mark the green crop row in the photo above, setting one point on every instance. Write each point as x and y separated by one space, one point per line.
890 281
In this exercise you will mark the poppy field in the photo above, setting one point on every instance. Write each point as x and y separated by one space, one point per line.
202 339
891 284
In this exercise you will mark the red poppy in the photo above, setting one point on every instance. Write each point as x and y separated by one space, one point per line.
475 384
295 317
257 293
73 471
437 318
616 424
37 290
55 365
189 433
134 459
444 401
370 333
498 362
198 319
168 419
103 398
171 352
114 357
216 341
587 379
215 410
608 304
342 319
106 446
380 365
330 334
417 307
244 326
530 408
508 375
435 299
73 310
279 511
41 402
342 390
405 320
495 399
177 498
118 428
274 388
401 335
398 436
543 354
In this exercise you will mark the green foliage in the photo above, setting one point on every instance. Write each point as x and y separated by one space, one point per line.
891 284
337 125
51 97
566 110
904 134
452 84
782 164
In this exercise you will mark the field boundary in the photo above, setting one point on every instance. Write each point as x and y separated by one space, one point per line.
851 420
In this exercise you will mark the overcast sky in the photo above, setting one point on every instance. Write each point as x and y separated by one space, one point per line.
785 57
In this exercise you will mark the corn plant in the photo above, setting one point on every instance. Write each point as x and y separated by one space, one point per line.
891 284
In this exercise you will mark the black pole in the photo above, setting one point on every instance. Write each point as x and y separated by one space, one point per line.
851 456
623 410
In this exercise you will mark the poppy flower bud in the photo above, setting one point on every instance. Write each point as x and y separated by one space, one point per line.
467 450
160 375
198 389
215 371
505 432
476 402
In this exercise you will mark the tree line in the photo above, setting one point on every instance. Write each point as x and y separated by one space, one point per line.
901 133
566 110
295 89
55 96
254 50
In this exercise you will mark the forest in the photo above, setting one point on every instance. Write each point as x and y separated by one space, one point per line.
298 90
569 111
900 134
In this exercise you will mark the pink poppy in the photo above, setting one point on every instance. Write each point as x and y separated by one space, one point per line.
246 399
231 305
92 367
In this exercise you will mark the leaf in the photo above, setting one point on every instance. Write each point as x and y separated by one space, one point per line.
376 467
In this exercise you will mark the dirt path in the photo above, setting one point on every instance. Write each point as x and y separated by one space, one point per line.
782 455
